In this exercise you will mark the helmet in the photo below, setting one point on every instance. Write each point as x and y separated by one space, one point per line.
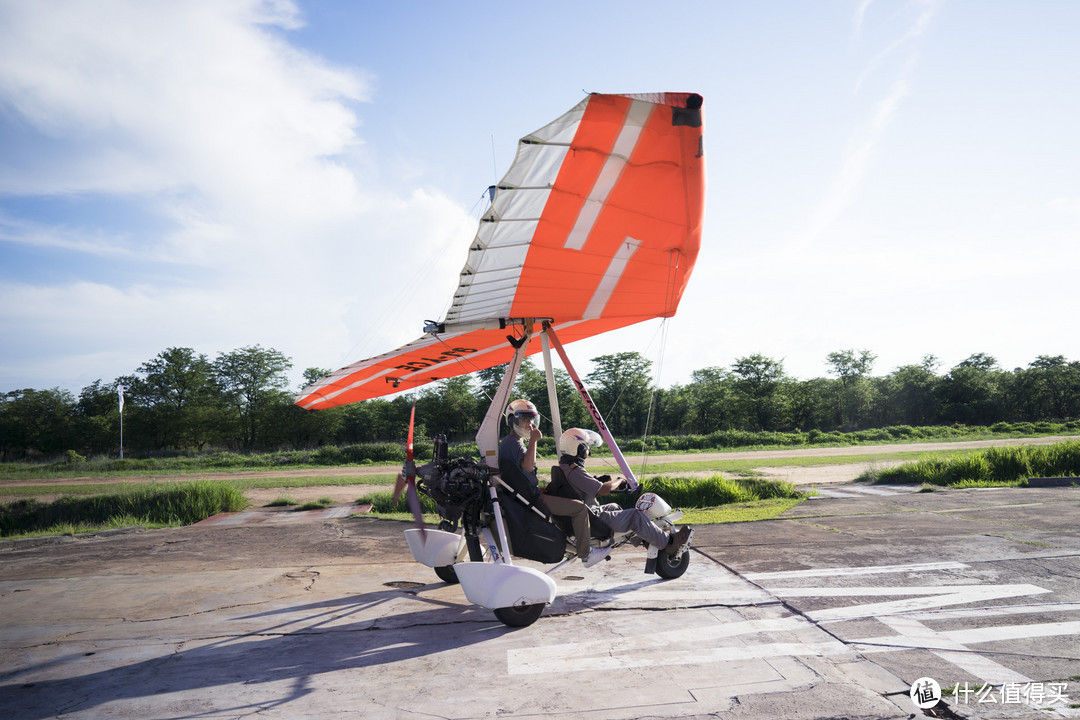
522 416
575 442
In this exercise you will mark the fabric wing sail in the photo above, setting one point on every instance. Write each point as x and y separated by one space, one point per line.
596 226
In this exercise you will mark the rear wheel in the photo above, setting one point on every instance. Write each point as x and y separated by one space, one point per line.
519 615
669 568
447 574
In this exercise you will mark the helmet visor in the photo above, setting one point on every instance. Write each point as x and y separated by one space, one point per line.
526 420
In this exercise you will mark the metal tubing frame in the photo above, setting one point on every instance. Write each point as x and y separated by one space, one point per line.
605 433
553 396
487 438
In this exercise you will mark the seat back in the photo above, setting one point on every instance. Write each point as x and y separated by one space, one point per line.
561 487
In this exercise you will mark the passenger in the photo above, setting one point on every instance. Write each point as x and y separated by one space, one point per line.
574 446
524 421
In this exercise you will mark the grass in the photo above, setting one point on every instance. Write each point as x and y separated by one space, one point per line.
241 484
704 501
739 512
159 505
71 464
992 467
717 498
315 504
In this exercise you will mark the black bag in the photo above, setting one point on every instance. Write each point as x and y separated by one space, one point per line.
531 536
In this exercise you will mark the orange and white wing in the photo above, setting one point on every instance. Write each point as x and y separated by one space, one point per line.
596 226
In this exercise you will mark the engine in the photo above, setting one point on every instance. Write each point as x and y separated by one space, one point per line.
457 485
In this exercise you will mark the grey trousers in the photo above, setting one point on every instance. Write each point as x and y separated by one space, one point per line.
621 520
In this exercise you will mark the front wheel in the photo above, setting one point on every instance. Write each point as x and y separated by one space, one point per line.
669 568
447 574
519 615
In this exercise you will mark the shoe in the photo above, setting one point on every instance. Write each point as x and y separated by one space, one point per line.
679 541
595 556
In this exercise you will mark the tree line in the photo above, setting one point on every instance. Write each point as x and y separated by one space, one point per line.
181 401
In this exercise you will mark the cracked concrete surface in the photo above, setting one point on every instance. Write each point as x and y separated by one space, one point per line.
832 611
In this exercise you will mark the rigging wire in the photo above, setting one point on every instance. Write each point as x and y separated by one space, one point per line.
673 266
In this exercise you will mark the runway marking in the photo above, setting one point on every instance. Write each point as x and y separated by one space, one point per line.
854 491
914 634
939 596
802 635
848 572
995 611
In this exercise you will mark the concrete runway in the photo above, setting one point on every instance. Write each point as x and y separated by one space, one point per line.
831 611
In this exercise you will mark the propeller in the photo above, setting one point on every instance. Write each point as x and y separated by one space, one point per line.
406 479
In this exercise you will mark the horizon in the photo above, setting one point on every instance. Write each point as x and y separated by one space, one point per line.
891 176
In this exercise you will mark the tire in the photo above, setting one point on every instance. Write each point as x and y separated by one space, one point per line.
447 574
519 615
668 568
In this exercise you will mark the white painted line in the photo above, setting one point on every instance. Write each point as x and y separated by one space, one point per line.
868 490
981 667
944 595
831 494
974 636
996 611
886 591
675 638
850 572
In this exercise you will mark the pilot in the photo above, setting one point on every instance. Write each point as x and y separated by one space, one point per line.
524 421
574 446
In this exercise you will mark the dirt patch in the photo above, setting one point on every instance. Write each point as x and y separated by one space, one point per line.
339 494
823 474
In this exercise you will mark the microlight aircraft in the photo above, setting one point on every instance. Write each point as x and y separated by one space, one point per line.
596 226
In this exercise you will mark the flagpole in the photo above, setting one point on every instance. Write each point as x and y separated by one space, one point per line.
120 397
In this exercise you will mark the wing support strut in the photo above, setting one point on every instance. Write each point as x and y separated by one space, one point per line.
631 481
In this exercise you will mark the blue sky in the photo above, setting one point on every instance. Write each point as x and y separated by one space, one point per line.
901 176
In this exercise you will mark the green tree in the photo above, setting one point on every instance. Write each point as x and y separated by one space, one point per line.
620 385
97 418
1049 389
252 381
174 400
712 401
811 404
910 393
758 381
36 422
971 392
855 397
449 407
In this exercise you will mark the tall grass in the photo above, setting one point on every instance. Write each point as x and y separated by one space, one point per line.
1001 465
163 504
711 491
676 491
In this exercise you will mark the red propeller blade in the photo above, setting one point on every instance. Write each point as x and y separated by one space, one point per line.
409 471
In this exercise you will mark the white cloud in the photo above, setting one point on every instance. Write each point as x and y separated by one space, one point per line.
244 149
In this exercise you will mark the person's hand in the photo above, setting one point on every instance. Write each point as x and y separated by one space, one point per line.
535 435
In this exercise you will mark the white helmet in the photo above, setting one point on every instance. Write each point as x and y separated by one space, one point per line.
522 416
576 442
